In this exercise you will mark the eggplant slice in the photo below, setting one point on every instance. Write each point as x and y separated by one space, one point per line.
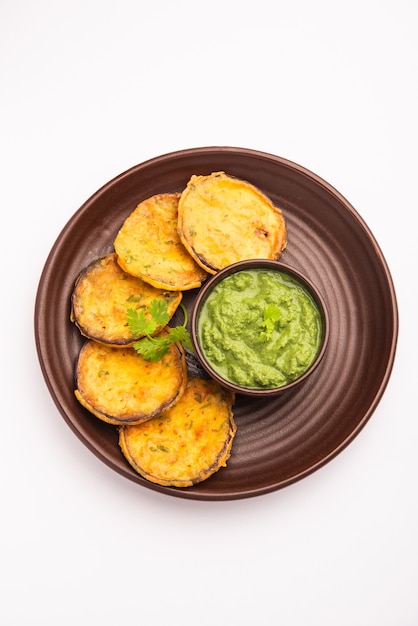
103 293
187 443
222 220
149 247
120 387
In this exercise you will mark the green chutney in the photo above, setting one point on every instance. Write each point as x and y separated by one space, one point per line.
260 328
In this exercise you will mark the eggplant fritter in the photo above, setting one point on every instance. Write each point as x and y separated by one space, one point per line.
222 220
103 293
120 387
148 246
187 443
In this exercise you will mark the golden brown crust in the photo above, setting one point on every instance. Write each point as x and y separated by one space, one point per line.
148 246
118 386
102 294
222 220
187 443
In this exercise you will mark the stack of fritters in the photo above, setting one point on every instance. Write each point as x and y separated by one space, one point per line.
174 429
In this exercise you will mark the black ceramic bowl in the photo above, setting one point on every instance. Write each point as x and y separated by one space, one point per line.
255 264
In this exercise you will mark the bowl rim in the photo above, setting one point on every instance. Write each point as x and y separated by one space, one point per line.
276 265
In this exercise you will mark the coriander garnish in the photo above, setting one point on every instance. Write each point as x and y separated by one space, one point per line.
153 347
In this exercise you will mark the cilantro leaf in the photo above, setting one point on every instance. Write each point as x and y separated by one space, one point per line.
138 322
271 315
159 312
180 334
153 347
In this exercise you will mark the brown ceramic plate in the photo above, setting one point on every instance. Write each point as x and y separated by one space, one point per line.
282 439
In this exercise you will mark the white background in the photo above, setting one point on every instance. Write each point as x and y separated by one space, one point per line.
90 88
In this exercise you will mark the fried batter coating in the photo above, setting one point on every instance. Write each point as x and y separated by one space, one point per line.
187 443
120 387
102 294
148 246
222 220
